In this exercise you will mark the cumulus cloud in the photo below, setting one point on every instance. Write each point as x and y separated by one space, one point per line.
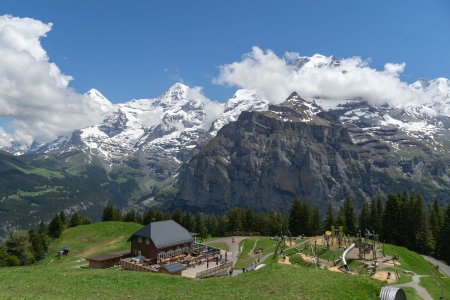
34 93
317 76
5 138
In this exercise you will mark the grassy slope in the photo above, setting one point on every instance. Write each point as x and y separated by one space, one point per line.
412 261
55 278
90 240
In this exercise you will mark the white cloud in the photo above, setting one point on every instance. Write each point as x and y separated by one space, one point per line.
213 109
34 93
5 138
317 76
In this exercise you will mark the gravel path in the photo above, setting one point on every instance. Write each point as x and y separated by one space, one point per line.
442 266
415 285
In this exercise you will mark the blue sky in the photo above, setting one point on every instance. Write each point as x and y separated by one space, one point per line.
134 49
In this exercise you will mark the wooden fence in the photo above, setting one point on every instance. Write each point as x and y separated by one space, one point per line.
215 271
134 267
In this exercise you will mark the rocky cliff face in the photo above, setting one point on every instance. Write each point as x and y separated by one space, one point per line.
265 159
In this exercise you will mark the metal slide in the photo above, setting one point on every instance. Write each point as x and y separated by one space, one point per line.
344 262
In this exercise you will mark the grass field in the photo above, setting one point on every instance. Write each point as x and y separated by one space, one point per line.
220 245
55 278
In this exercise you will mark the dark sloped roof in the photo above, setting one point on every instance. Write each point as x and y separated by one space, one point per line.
109 256
173 268
165 233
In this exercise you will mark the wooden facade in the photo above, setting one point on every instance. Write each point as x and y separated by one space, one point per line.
145 247
107 260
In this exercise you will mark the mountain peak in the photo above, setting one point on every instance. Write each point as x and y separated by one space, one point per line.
98 98
177 91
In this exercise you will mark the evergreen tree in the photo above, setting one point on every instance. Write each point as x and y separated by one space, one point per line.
373 216
62 217
295 215
364 218
189 222
177 216
75 220
349 217
200 226
18 244
111 213
36 244
329 218
43 236
424 242
130 216
55 227
234 219
248 220
443 244
314 222
380 211
85 220
389 230
436 220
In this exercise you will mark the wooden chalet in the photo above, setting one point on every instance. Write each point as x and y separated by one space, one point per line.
161 240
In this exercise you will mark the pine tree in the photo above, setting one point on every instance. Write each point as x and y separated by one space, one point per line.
108 213
380 211
234 219
443 245
329 219
63 218
295 215
314 222
424 242
436 220
189 222
130 216
248 220
75 220
43 236
389 228
200 227
55 227
177 216
364 218
349 217
36 244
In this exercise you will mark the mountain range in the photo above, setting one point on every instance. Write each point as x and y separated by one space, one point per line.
182 149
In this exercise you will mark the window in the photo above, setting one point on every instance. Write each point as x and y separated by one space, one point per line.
140 240
147 241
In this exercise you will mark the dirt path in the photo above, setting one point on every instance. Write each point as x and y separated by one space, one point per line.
234 247
442 266
415 285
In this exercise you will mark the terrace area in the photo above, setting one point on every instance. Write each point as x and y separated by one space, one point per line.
199 262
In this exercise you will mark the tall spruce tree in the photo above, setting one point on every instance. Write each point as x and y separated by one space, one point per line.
349 217
295 215
75 220
329 218
364 218
55 227
443 244
436 219
314 222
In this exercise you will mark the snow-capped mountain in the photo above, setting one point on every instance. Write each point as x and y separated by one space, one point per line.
156 131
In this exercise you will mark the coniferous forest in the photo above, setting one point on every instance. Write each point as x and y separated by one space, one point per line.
403 220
